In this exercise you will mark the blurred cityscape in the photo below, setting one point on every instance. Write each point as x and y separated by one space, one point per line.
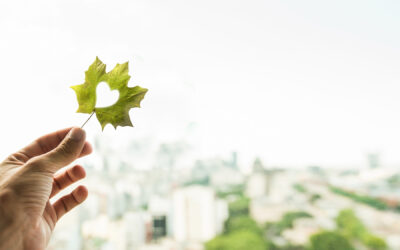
212 204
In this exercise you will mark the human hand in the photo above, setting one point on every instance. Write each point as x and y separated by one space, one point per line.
28 181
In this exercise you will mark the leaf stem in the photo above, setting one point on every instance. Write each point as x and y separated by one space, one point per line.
88 119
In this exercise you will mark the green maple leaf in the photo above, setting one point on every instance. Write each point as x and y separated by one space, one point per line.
118 113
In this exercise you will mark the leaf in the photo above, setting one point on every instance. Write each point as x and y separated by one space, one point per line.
118 78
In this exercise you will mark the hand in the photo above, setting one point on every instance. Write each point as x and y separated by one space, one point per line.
28 181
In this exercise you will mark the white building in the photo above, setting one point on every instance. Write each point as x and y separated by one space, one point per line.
257 185
197 215
225 176
134 224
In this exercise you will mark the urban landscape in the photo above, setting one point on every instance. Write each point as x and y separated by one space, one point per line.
212 204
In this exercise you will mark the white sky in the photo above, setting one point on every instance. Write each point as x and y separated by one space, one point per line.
295 82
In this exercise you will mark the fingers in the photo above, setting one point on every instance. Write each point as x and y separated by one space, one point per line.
87 149
49 142
67 178
69 149
68 202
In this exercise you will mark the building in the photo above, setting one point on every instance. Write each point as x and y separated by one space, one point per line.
197 216
259 182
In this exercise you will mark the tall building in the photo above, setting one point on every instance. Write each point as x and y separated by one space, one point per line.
259 181
135 229
159 208
197 214
159 227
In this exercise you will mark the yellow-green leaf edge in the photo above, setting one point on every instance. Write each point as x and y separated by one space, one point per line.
117 79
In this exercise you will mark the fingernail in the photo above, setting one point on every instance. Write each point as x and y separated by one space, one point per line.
76 134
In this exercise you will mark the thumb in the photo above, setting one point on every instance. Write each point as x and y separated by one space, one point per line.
66 152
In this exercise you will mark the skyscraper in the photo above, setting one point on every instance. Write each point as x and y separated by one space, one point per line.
197 216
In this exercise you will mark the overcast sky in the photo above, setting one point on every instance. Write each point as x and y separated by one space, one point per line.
295 82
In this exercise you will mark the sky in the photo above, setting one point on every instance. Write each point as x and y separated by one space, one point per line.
296 83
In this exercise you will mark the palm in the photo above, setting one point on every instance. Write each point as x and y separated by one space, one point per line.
40 216
40 235
23 174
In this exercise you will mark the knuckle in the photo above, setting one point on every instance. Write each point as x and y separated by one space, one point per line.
66 150
35 163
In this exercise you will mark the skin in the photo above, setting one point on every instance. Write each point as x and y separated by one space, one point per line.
28 180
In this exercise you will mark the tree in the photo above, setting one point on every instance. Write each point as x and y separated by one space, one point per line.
242 223
349 225
239 207
300 188
274 229
329 241
219 242
374 243
373 202
237 240
353 228
314 198
288 219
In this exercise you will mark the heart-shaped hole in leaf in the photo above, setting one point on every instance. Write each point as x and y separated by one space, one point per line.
105 97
